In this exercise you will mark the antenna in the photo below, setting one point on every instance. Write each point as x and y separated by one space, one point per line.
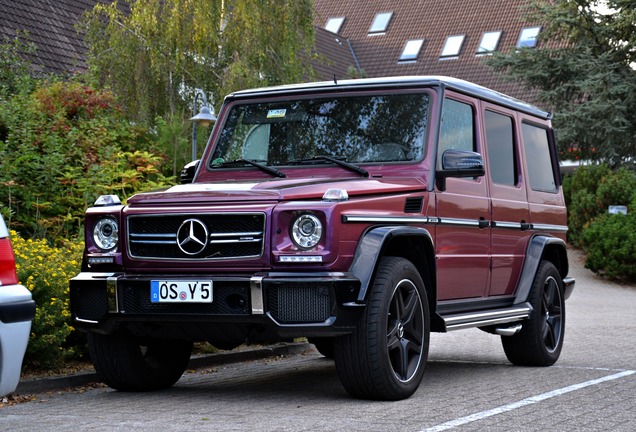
335 81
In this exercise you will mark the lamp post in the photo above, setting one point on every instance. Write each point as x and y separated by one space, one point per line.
205 117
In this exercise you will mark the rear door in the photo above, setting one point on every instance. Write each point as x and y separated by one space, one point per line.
510 223
546 202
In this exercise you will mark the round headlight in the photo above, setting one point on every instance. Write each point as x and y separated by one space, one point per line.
306 231
106 234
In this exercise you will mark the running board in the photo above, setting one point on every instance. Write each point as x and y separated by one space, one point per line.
488 317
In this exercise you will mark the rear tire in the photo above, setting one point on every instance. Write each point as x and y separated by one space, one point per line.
385 356
128 363
540 341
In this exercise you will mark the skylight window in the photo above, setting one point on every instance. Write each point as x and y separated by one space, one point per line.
333 24
528 37
411 50
453 46
489 42
381 22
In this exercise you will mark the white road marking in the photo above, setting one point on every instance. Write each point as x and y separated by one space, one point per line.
525 402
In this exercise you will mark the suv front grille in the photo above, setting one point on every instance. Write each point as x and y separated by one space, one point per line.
229 235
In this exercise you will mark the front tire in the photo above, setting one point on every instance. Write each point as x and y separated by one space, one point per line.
540 341
128 363
385 356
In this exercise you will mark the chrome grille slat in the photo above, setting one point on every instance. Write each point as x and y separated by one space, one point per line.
245 234
231 236
157 242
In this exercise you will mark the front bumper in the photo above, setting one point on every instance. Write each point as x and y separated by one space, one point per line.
285 304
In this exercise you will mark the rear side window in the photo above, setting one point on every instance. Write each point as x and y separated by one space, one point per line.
457 130
537 151
501 148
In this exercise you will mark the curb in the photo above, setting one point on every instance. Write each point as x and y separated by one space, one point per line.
40 385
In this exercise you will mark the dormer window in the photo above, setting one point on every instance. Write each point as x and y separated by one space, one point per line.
411 50
380 23
528 37
334 24
453 46
489 42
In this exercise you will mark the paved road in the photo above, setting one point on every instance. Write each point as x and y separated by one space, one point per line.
468 386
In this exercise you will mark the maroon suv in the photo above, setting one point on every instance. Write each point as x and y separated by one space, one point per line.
362 215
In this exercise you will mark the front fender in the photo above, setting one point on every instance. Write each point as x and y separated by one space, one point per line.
413 243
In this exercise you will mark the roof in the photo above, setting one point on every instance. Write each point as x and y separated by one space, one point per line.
456 84
433 21
336 55
51 26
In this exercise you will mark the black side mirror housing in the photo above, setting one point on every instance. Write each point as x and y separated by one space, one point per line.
459 163
188 171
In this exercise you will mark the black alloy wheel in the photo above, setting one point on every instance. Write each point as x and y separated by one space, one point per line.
540 341
384 358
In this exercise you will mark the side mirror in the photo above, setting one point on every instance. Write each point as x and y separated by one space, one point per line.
188 171
459 163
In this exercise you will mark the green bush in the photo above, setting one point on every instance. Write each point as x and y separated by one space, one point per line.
610 243
46 271
590 191
609 240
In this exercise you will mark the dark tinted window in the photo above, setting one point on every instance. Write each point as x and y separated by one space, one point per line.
538 155
501 148
457 130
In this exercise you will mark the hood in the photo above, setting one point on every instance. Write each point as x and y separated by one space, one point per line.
275 190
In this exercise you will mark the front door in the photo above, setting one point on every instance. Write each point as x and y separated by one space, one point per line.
462 235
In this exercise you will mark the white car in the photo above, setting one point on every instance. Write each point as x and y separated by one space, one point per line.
17 310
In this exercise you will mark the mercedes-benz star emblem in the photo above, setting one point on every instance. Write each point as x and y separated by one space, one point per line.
192 237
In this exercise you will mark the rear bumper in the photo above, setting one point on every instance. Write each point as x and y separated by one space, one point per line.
283 304
568 286
17 310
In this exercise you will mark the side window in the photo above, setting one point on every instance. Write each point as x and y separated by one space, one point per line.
457 130
537 151
501 148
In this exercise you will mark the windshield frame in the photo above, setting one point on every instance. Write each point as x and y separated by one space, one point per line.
209 159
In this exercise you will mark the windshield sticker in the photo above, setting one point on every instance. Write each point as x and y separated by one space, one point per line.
276 113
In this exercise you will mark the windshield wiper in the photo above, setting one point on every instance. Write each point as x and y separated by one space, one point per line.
265 168
351 167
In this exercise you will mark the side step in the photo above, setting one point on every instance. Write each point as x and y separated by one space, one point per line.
487 317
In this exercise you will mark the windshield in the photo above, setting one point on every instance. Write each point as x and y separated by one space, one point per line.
356 129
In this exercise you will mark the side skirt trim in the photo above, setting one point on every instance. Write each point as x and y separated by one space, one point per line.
485 318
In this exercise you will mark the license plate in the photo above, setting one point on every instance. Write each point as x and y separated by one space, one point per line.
171 291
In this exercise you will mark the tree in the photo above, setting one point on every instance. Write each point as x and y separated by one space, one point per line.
15 71
584 74
154 55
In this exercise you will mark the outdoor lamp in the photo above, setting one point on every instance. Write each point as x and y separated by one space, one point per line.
204 118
